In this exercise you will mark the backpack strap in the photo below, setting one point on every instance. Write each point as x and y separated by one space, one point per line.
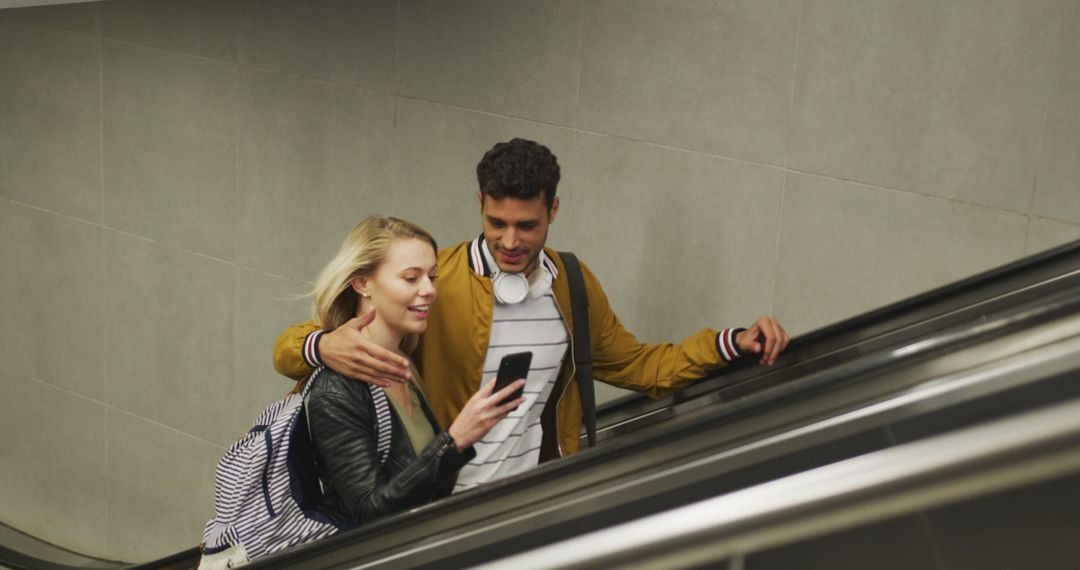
382 421
579 307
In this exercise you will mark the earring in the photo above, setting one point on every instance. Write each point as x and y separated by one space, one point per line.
365 295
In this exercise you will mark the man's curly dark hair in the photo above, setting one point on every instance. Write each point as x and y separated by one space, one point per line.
520 169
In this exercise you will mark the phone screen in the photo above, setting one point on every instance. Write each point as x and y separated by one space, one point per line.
512 367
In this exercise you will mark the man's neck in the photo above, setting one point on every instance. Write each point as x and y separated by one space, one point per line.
532 266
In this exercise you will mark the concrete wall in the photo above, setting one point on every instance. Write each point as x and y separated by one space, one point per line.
171 172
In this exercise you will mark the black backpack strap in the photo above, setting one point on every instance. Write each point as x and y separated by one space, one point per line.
579 306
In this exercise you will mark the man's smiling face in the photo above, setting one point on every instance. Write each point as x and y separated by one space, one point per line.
515 230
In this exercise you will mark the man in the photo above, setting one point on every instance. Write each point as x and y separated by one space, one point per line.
504 293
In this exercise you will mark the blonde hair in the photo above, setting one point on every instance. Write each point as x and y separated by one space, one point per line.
333 300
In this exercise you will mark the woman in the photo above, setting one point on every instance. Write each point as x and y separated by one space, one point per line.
387 266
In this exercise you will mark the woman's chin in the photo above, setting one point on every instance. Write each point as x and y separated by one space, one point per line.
415 327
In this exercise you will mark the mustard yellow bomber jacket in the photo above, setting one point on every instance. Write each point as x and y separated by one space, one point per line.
450 356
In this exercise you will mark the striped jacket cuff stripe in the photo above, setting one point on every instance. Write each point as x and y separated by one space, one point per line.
311 349
725 343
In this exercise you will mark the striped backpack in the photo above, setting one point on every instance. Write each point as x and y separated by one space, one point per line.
266 487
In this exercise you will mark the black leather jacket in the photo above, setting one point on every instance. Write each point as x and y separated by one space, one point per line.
358 490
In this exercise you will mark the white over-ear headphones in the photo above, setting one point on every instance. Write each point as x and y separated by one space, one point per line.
510 288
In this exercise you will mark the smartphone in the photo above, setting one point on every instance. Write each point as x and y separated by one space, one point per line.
512 367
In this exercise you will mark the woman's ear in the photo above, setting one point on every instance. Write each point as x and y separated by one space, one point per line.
360 285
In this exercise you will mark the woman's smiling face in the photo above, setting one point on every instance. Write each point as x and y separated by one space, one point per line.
402 289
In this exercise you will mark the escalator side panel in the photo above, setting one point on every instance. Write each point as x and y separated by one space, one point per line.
1031 527
705 480
898 544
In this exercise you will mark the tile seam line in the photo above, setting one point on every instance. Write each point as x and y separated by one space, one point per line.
768 166
152 240
397 46
580 62
579 130
788 128
68 391
771 167
109 407
910 192
785 174
168 427
776 245
103 203
169 51
396 93
1051 84
40 26
237 178
696 152
1027 234
99 18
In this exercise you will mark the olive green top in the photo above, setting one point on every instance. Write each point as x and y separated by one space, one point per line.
417 426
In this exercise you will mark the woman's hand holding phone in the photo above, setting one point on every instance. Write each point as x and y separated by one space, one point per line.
483 411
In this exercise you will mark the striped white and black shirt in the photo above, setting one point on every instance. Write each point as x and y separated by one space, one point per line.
534 325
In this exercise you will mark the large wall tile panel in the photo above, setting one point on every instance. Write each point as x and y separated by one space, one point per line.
1057 194
1045 234
199 27
345 41
160 488
265 305
53 467
680 240
50 117
514 58
846 248
941 98
315 158
436 151
706 75
78 17
170 148
169 334
52 299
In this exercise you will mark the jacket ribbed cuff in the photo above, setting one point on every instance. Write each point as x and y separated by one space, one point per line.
311 349
451 459
725 344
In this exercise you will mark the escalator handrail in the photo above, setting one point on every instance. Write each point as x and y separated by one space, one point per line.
1049 265
1026 269
762 389
1027 368
1027 448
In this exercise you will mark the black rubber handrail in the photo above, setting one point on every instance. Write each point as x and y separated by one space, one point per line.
977 289
47 556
